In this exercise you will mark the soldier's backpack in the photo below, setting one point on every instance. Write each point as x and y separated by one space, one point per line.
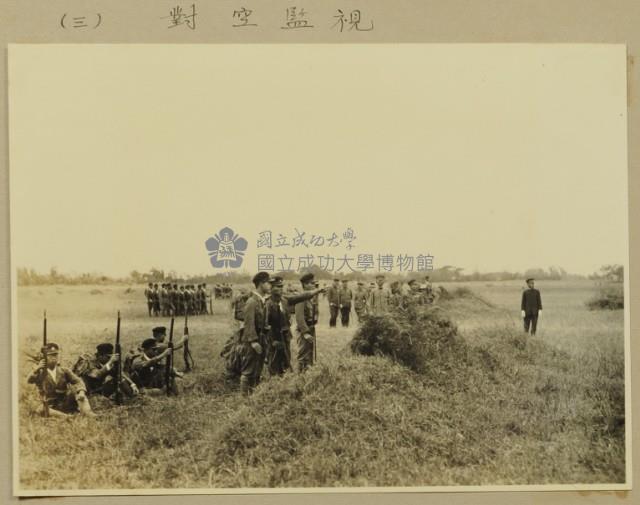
83 365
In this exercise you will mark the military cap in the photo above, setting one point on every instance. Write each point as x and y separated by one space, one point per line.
260 277
51 348
412 282
360 283
530 279
380 276
277 281
148 343
345 280
307 278
159 330
105 348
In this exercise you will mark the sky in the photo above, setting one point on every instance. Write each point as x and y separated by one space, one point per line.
486 157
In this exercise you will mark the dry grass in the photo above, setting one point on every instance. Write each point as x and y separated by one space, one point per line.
502 409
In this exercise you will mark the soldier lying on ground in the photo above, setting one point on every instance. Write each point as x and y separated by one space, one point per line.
61 389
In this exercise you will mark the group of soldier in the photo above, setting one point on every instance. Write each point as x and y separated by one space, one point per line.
169 299
148 369
262 337
374 298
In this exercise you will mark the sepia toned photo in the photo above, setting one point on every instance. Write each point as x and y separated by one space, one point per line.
317 268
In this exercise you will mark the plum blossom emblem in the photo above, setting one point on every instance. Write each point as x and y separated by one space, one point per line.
226 249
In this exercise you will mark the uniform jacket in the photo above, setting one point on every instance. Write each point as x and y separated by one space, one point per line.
305 315
255 323
65 381
360 298
531 302
345 295
333 295
379 299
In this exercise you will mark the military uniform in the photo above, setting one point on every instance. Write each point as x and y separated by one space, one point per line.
360 298
58 387
306 325
379 300
148 293
333 295
100 378
345 296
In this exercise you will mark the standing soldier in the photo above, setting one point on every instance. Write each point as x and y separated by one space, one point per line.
333 295
99 372
306 323
148 293
156 300
360 298
278 309
162 295
531 307
380 296
345 296
62 390
247 356
181 301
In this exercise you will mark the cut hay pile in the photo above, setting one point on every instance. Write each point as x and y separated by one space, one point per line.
422 339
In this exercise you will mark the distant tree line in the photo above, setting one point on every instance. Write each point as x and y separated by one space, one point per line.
448 273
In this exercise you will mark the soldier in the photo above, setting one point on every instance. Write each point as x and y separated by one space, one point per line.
380 296
147 370
531 307
428 289
306 325
156 300
278 310
360 298
414 292
148 293
345 296
99 373
162 297
181 301
333 295
61 389
246 358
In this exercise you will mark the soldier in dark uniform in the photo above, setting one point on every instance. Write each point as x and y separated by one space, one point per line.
345 297
246 358
148 293
306 325
99 373
148 370
333 295
156 300
531 307
181 301
360 298
279 309
61 389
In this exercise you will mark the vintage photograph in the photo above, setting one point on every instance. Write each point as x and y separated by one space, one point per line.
293 268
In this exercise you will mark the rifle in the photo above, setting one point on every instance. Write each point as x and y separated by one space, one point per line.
45 405
119 364
168 374
189 364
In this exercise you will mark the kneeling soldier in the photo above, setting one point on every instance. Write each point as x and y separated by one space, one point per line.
61 389
99 373
147 369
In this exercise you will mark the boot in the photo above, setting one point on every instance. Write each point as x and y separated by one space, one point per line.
245 385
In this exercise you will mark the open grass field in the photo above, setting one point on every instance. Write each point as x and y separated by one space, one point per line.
548 410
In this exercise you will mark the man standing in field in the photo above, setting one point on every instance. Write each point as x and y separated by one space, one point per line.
380 297
306 325
531 307
148 293
278 310
246 358
61 389
333 295
345 296
360 298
